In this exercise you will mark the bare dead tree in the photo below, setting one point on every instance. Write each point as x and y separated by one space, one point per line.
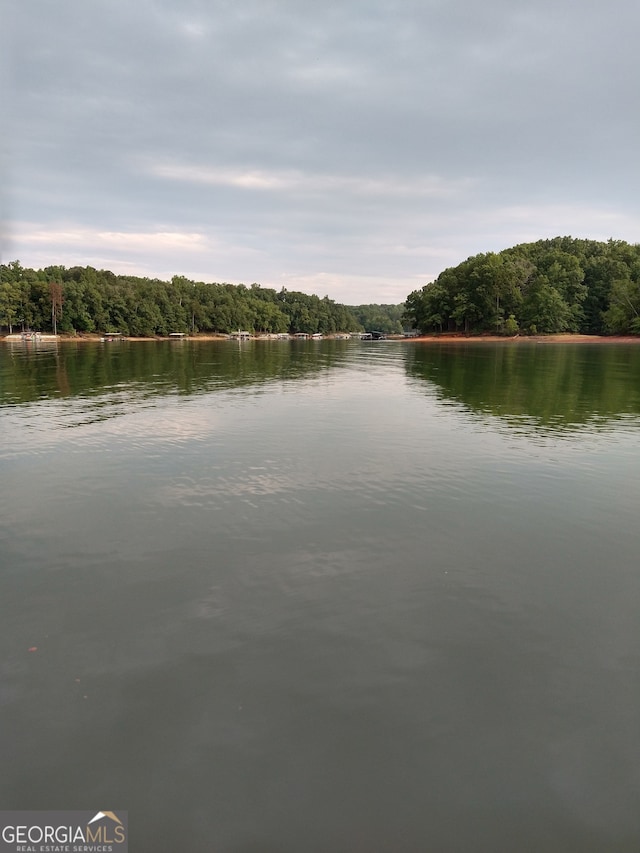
55 291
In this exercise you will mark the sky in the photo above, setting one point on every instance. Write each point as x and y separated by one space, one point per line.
351 149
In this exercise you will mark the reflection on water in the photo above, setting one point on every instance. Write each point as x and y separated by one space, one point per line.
323 597
527 386
150 369
535 386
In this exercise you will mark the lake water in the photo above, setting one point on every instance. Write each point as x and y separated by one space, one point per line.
337 596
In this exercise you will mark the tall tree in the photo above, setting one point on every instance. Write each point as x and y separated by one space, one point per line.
55 291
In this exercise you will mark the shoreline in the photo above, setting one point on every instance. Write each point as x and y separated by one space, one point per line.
560 338
451 338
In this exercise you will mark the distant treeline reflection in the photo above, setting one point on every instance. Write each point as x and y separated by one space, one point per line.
153 369
543 386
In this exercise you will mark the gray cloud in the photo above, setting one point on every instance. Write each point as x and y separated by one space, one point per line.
359 146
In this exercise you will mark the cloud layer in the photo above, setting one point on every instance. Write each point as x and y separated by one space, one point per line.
348 148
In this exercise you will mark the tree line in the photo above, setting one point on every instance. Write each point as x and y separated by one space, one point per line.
558 285
84 300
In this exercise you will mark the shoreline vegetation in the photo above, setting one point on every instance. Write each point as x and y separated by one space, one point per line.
534 291
85 301
547 287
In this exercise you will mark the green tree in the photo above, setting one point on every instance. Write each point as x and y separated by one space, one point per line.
544 308
623 315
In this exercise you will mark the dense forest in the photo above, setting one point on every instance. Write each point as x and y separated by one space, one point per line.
83 299
380 318
558 285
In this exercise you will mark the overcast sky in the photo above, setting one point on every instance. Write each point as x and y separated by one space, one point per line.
352 149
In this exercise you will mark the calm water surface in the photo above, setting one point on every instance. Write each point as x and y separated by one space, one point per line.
324 597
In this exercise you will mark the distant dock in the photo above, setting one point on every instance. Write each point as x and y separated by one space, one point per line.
30 337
